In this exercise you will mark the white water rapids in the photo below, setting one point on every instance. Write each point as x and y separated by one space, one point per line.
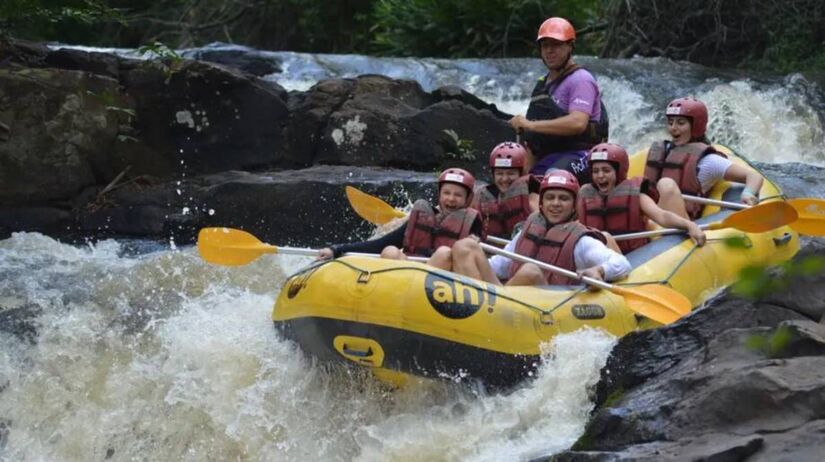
123 350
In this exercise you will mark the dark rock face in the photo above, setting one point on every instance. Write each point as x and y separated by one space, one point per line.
94 143
737 380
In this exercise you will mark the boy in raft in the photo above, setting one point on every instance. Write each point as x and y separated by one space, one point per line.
617 204
687 164
512 196
429 231
551 235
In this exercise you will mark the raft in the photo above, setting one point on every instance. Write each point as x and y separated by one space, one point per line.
407 318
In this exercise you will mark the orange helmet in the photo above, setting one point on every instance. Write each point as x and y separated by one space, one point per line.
508 154
693 109
559 179
557 28
613 153
457 176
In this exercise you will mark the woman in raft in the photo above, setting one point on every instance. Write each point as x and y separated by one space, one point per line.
551 235
687 164
617 204
512 196
429 231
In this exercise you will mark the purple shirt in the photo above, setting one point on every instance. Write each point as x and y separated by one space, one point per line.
579 92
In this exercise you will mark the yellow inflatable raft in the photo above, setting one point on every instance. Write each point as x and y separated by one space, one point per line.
409 318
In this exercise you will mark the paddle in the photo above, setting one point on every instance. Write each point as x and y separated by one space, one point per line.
756 219
655 301
378 212
372 208
233 247
810 211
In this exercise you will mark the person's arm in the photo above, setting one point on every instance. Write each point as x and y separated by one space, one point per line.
669 219
394 237
595 260
574 123
751 178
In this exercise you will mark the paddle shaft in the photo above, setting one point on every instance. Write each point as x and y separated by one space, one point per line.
655 232
703 200
555 269
314 253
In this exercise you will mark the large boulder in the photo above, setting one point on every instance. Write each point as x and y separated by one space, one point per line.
737 380
60 126
90 122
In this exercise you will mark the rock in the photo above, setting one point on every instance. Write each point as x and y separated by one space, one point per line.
243 59
199 118
736 380
61 127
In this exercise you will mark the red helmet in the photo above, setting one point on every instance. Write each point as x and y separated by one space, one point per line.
693 109
457 176
508 154
613 153
556 28
559 179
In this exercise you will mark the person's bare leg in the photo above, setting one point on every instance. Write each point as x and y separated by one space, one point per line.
670 197
528 275
469 259
392 252
441 258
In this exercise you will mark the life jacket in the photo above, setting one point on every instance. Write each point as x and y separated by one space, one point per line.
617 213
554 245
428 229
665 160
542 107
502 213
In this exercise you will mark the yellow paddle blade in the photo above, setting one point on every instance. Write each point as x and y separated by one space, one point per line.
759 218
811 221
230 247
655 301
372 208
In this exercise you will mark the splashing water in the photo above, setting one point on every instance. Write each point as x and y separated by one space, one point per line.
160 356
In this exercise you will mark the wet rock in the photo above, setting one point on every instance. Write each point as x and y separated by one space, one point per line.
61 126
198 118
243 59
737 380
78 60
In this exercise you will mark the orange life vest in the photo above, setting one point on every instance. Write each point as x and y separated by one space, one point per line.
681 164
617 213
501 214
554 245
428 229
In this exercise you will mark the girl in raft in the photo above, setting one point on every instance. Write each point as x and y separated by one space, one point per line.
429 231
512 196
687 164
551 235
617 204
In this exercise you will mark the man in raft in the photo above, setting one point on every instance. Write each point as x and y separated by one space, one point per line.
688 164
429 231
513 194
551 235
617 204
566 116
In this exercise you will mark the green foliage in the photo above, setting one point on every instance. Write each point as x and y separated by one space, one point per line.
468 28
460 148
53 19
756 282
771 345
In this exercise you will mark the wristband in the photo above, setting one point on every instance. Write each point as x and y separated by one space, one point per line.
747 192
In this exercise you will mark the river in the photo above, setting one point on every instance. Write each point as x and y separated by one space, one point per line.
137 350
